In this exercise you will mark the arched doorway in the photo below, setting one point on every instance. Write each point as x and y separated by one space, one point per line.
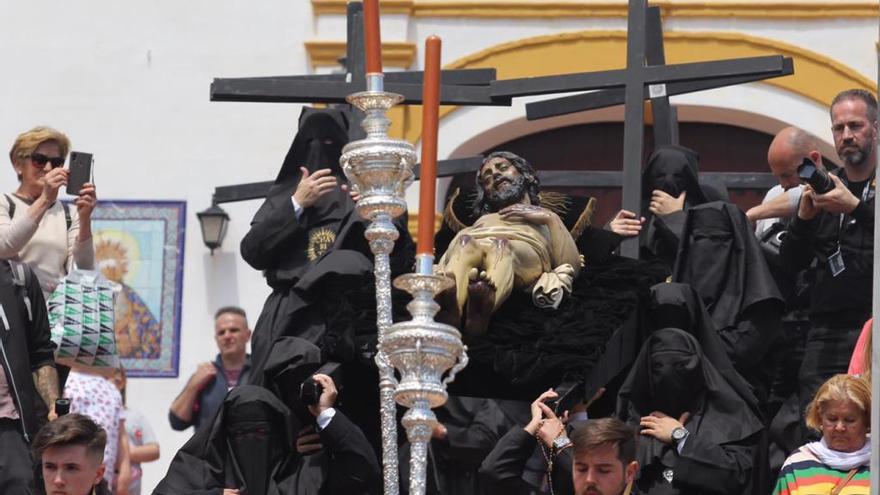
596 147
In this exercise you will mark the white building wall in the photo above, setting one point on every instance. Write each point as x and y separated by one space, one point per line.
129 82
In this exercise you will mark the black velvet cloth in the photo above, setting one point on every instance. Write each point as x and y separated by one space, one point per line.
528 349
473 428
722 453
311 262
720 258
673 170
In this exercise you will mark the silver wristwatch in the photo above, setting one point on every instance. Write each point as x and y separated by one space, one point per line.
679 434
561 442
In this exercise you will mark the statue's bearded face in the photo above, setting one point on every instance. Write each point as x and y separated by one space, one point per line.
502 184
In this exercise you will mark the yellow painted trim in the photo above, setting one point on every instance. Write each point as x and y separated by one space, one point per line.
327 53
322 7
412 223
817 77
776 9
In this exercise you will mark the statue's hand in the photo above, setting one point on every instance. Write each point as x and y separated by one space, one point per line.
527 213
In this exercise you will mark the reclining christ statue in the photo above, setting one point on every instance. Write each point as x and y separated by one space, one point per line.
515 244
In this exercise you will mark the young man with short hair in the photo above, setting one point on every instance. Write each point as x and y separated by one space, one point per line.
71 454
604 457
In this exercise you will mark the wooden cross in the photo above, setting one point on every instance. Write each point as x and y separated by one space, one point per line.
633 84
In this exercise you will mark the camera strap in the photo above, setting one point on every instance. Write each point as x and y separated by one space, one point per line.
835 261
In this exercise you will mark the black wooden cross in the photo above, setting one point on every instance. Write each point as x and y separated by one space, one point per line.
633 83
665 119
459 87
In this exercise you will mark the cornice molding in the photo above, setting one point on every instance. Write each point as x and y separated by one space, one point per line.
525 9
327 53
324 7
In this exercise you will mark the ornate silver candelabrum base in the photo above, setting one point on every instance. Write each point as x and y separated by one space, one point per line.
380 169
423 350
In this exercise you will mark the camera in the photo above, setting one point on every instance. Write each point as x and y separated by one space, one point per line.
310 391
816 177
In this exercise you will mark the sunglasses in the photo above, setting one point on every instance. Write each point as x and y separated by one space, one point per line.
41 160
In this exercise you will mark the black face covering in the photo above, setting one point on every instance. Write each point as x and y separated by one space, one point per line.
672 169
720 258
676 375
255 445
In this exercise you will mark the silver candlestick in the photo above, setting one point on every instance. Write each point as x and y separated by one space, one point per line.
423 350
381 168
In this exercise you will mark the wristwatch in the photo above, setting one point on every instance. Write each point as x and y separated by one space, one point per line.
679 434
561 442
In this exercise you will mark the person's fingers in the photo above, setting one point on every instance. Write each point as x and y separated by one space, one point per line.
684 417
317 174
325 186
305 173
659 414
836 180
548 413
308 449
325 180
682 196
549 394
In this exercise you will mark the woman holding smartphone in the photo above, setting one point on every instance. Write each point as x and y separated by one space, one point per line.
37 228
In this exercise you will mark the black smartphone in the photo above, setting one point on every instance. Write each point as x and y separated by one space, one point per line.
80 171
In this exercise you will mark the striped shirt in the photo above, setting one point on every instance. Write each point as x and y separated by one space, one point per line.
804 474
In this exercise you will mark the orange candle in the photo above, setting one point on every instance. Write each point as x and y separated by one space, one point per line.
428 176
372 37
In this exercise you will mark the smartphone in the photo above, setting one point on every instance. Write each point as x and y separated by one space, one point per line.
80 171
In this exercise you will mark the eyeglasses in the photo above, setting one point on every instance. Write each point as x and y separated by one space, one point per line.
41 160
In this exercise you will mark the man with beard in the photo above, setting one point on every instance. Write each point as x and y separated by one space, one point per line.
308 240
837 230
604 457
515 244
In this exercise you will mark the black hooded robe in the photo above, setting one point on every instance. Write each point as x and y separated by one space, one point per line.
311 261
673 170
722 451
720 258
473 427
262 460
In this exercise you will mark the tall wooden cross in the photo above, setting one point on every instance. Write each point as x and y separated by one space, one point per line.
665 118
634 81
465 87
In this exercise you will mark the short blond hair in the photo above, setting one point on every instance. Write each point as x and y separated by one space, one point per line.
840 388
27 142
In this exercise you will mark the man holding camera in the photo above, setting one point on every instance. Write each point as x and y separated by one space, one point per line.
835 226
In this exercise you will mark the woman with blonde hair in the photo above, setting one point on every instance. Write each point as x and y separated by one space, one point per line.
837 464
35 227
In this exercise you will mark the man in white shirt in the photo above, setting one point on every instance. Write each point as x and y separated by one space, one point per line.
787 151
